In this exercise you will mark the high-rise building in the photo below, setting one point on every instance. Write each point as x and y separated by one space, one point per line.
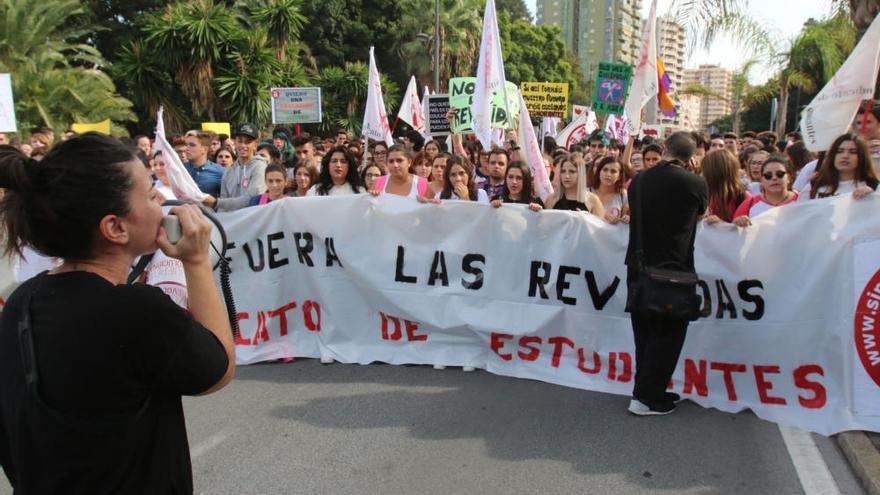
718 80
596 30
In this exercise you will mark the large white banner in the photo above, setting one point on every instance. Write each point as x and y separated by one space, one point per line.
541 295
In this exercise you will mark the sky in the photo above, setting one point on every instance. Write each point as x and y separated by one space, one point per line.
784 17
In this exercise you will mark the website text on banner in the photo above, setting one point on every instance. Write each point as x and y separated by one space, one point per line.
541 296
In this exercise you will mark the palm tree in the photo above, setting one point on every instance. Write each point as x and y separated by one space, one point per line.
739 85
56 81
281 18
344 91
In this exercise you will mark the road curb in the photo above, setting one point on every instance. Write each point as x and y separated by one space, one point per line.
863 457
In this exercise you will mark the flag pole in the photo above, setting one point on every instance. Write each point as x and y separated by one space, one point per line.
865 117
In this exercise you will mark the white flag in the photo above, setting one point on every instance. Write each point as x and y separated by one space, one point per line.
182 184
375 118
550 125
578 130
644 84
532 152
618 127
832 110
411 108
490 78
425 112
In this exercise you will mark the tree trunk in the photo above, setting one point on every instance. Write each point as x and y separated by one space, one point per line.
782 107
862 13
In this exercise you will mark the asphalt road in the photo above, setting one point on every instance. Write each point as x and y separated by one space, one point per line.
301 427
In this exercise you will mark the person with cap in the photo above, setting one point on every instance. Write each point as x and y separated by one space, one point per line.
246 177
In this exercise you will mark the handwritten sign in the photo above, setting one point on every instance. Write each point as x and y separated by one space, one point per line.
296 105
546 99
461 95
612 85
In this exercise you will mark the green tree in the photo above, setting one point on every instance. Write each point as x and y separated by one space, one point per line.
281 18
344 94
516 9
533 53
56 81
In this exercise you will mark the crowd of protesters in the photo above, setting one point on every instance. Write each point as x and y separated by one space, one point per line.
746 174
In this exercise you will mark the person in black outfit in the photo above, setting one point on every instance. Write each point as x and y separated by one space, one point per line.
669 201
91 369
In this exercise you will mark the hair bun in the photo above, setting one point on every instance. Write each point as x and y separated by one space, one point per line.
14 169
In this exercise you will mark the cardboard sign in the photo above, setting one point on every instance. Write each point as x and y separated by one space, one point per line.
438 105
546 99
7 105
461 95
103 127
612 85
296 105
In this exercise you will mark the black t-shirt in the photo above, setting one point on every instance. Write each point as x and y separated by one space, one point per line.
570 204
113 362
674 200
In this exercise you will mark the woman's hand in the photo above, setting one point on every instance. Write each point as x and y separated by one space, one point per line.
535 207
424 200
713 219
861 192
195 239
496 203
624 219
742 221
375 192
462 191
612 218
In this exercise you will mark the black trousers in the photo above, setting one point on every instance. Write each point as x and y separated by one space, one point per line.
658 346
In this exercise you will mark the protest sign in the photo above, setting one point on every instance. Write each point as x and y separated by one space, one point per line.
578 110
654 131
612 84
461 95
438 105
546 99
217 128
103 127
542 295
296 105
7 105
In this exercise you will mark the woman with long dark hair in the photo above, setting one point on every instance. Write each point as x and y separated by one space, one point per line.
92 369
338 176
847 168
518 187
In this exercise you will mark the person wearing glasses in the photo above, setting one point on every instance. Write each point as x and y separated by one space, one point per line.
379 154
776 185
370 173
755 166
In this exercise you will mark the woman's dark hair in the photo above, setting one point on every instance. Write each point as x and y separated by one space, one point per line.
404 150
527 194
447 191
799 156
325 182
56 205
382 171
274 154
274 167
829 176
594 178
227 148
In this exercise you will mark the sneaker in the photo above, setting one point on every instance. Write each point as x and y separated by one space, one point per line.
327 360
439 367
639 408
672 397
468 369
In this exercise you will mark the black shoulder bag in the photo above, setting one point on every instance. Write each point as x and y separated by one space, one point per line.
663 290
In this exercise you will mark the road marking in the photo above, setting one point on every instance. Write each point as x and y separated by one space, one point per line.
206 445
811 469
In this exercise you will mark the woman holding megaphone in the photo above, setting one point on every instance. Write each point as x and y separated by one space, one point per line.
92 370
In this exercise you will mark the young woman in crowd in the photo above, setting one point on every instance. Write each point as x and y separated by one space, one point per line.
431 149
421 165
518 187
635 162
847 168
370 173
726 189
305 175
775 184
276 179
437 171
607 183
798 156
338 174
379 153
571 192
225 157
157 167
459 183
754 166
399 180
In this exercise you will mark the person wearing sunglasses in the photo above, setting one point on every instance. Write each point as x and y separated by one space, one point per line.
776 187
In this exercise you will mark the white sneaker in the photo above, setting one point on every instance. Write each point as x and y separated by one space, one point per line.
468 369
639 408
327 360
439 367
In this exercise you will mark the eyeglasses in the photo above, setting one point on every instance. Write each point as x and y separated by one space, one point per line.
769 175
372 176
